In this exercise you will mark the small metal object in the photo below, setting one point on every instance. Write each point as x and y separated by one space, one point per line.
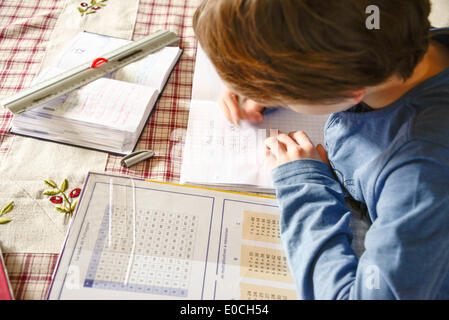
136 157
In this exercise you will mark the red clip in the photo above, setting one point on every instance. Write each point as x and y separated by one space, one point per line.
97 62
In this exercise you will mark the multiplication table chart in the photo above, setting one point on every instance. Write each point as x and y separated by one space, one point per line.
164 244
138 239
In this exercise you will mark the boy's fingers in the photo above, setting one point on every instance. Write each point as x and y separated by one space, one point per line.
225 103
270 155
287 140
237 108
275 147
253 111
270 160
323 154
255 117
267 151
274 132
229 104
225 109
252 106
233 107
302 139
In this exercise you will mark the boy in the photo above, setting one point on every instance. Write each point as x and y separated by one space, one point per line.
387 139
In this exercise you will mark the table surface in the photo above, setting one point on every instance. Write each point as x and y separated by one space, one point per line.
25 28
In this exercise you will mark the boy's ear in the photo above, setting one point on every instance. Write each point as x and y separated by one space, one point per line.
358 96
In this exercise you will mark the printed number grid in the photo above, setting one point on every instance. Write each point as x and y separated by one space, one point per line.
256 295
261 227
264 263
161 265
25 28
257 292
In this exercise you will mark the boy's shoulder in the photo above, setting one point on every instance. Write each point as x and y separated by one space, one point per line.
430 103
430 106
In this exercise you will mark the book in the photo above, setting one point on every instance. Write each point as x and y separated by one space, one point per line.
108 114
137 239
5 285
221 154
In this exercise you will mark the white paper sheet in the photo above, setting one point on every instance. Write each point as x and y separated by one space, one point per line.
217 152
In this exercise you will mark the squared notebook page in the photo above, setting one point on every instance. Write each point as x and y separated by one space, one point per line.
86 47
217 152
152 71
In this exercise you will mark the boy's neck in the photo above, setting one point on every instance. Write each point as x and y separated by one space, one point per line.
435 61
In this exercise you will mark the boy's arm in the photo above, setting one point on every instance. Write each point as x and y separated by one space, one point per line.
315 229
406 247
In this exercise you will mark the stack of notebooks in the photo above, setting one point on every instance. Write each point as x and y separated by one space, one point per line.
108 114
220 154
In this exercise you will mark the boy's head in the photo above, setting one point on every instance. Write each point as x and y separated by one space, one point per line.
295 52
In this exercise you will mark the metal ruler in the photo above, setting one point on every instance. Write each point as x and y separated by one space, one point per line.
87 72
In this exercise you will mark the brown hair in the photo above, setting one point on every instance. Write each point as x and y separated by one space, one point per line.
285 51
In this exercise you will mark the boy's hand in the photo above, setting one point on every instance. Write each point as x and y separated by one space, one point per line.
287 148
235 110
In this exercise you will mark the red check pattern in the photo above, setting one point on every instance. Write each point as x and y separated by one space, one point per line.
168 122
30 274
25 28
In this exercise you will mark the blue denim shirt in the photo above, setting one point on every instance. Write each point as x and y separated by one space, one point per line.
395 160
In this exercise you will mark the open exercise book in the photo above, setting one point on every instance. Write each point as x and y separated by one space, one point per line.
135 239
219 153
107 114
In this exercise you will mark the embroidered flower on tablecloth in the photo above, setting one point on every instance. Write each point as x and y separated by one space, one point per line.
4 211
56 199
75 193
58 196
94 6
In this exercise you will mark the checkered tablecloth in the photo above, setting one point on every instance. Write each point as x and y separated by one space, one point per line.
25 28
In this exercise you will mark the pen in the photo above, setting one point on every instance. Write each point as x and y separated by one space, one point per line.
269 110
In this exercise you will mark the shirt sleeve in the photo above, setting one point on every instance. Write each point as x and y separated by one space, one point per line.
406 254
